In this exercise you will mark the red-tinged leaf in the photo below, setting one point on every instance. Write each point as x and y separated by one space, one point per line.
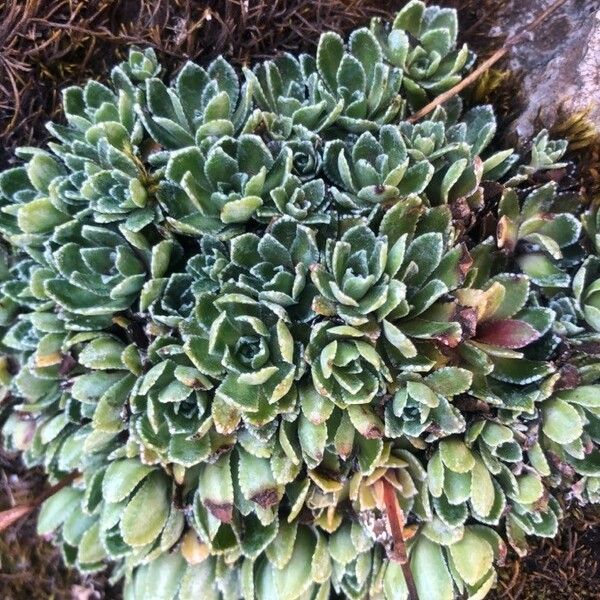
508 333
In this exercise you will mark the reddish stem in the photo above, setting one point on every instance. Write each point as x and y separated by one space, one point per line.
398 551
12 515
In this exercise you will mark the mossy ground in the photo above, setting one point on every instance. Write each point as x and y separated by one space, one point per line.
48 44
30 566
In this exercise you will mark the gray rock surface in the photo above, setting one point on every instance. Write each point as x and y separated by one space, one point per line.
560 61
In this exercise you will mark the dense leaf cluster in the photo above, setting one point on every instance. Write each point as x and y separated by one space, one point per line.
244 310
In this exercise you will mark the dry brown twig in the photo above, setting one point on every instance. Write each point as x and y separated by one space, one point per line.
398 551
16 513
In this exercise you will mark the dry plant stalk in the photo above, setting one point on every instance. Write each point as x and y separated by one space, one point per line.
16 513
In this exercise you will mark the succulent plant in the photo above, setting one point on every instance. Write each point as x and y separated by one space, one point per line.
422 42
213 187
586 290
374 170
199 104
286 344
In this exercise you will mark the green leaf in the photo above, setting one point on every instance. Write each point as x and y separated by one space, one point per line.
41 170
520 371
256 480
366 49
584 395
472 556
280 550
482 489
240 211
216 488
122 477
450 381
329 56
102 353
291 581
341 548
91 549
56 509
164 577
257 536
456 456
435 475
430 572
399 340
560 421
39 216
531 488
147 512
543 271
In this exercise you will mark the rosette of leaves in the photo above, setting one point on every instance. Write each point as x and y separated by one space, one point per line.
97 163
358 90
261 393
306 155
423 265
216 187
543 231
140 65
545 155
498 329
453 561
370 171
422 43
347 369
569 431
306 202
274 268
457 151
396 276
479 482
348 87
96 274
586 290
248 346
98 519
353 282
296 564
461 484
72 390
280 89
423 406
170 406
591 223
199 104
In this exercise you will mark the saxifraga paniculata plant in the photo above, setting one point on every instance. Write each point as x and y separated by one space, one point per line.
252 311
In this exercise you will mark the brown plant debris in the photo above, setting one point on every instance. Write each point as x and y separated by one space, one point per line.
564 568
46 45
31 568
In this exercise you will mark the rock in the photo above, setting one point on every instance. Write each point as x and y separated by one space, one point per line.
559 61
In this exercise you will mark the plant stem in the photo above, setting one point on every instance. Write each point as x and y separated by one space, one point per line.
12 515
398 552
486 64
